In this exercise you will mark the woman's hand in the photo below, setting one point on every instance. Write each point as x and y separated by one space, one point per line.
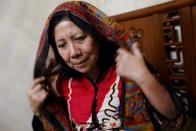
37 95
131 65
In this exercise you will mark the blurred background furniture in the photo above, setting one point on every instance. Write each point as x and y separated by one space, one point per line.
167 36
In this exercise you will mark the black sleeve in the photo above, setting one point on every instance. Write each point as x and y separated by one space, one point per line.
37 124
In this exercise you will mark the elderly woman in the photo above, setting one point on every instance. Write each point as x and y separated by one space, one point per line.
90 75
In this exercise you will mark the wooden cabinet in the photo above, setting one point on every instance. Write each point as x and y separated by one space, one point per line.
169 43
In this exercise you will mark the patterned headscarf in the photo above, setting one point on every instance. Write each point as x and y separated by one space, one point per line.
107 27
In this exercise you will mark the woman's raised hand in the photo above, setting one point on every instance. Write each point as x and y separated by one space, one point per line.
37 95
130 64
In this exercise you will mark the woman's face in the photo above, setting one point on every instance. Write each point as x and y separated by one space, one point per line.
77 48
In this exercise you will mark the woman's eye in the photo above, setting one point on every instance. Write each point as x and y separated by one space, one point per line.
61 45
80 39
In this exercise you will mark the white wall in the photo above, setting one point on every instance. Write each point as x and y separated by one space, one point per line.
112 7
21 23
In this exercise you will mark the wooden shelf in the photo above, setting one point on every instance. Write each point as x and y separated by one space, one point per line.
174 43
167 27
176 66
178 77
170 19
179 17
168 6
177 88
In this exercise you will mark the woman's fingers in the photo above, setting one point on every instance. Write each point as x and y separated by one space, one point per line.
37 100
120 52
38 80
136 51
41 96
37 95
129 64
37 86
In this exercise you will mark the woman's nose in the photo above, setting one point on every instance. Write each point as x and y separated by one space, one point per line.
74 51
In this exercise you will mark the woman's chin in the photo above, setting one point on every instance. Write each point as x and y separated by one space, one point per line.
81 69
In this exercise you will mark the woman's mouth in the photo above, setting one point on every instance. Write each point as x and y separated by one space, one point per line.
79 64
